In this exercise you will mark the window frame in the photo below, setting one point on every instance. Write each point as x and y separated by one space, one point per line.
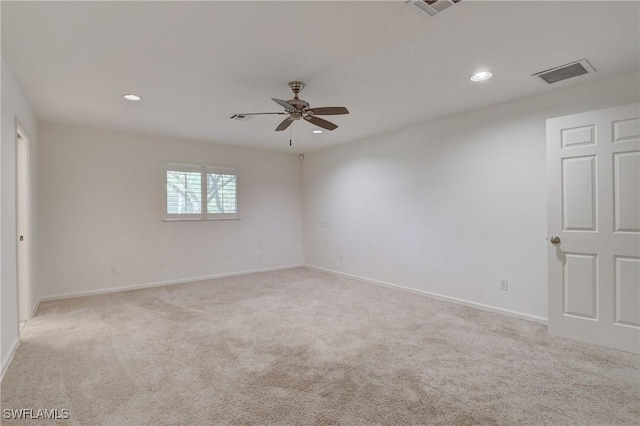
204 170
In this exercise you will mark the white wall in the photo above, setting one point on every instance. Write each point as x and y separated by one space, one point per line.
449 207
100 198
14 106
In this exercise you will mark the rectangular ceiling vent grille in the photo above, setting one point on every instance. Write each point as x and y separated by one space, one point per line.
563 72
432 7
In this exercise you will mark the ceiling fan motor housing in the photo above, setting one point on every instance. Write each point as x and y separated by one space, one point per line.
299 104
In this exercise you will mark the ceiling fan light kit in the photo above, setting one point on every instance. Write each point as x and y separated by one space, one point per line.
298 109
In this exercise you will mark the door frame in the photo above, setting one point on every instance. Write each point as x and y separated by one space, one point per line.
23 221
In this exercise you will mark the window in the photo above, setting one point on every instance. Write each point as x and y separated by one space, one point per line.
199 192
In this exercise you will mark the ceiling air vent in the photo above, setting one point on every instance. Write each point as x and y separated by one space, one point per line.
240 117
566 71
433 7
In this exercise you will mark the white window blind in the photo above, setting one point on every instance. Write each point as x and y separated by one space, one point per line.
186 186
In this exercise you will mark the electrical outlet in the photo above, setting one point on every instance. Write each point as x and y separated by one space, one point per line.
261 256
112 270
504 285
341 259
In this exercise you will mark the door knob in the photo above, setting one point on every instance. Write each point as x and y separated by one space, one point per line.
554 240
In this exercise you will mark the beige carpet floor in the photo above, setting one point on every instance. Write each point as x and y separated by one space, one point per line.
304 347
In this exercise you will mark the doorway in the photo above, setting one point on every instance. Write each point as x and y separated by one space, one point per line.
22 226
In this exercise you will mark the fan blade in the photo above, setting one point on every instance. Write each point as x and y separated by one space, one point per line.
261 113
284 104
285 123
328 111
320 122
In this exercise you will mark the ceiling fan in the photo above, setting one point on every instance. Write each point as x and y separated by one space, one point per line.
298 109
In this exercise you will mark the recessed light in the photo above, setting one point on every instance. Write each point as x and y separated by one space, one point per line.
131 97
481 76
317 131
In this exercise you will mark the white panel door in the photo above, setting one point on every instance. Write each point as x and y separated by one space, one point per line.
593 166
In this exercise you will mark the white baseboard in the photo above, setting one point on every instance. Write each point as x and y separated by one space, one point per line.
7 360
35 309
464 302
163 283
469 303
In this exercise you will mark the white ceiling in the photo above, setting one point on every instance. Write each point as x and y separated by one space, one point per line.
196 63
